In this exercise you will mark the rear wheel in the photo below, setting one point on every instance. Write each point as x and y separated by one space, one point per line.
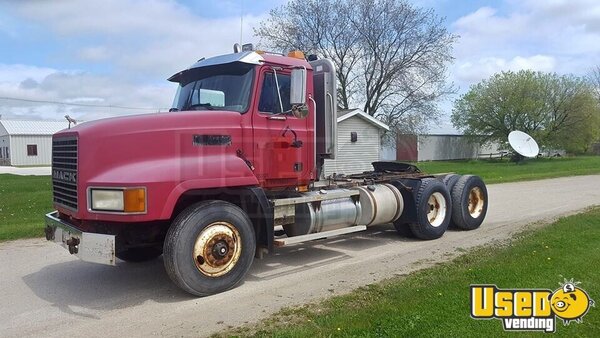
136 255
209 247
450 180
469 202
433 210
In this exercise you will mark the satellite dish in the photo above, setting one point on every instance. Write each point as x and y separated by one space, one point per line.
523 144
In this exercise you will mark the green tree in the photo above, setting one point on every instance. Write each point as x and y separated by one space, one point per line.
557 110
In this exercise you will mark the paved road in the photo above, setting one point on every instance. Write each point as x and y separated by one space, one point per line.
45 292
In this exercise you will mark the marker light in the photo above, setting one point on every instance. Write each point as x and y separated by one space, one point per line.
135 200
296 54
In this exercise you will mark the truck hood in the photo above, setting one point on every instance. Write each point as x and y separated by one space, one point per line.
151 123
167 154
154 147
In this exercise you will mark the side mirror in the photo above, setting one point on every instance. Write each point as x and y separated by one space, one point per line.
298 87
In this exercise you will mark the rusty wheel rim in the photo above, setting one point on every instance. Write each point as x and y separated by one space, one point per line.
217 249
476 202
436 209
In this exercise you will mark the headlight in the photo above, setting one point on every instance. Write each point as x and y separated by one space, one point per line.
131 200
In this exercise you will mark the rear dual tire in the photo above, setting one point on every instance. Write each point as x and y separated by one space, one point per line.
469 202
433 204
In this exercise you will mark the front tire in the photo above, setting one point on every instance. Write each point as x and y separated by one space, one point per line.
209 247
434 206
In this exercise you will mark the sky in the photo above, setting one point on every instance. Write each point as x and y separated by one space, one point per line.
105 58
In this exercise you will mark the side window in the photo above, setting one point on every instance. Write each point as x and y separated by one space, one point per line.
269 101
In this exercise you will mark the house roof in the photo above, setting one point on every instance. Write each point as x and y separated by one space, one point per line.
14 127
346 114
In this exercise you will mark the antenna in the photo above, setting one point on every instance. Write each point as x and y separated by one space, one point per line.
241 21
523 144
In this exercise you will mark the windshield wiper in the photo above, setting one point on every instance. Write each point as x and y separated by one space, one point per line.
207 105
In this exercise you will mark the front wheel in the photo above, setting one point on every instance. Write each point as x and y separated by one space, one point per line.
209 247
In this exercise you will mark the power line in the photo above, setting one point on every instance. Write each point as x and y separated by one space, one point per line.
78 104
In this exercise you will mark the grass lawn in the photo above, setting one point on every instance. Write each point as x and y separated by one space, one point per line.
23 202
435 302
498 171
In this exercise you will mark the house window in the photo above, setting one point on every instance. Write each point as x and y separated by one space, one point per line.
32 150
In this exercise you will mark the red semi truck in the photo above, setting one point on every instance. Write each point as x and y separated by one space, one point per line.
233 170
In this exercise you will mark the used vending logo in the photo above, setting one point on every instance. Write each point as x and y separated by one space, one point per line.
530 309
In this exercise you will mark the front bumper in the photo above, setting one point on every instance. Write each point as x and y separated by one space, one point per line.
88 246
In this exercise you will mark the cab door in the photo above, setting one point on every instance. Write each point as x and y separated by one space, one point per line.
281 140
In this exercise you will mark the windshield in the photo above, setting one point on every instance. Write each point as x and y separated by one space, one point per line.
222 87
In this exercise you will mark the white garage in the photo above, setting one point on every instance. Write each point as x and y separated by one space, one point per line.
27 143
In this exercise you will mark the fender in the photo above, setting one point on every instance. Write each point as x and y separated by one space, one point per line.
408 188
252 200
171 178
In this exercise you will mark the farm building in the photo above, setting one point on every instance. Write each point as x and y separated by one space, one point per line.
358 141
441 147
27 143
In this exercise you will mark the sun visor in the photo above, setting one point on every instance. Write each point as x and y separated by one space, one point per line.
248 57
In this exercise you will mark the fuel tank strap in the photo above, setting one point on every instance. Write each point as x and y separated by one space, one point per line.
322 196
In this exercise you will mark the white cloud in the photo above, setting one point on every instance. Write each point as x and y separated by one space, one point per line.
95 54
78 88
138 44
555 35
155 37
18 72
472 72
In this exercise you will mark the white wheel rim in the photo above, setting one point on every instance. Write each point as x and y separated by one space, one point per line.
476 202
437 209
217 249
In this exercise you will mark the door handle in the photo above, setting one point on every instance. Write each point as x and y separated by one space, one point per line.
277 118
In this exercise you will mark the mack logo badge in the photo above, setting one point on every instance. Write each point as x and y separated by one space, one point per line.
65 176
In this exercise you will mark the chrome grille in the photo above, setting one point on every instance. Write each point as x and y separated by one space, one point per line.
64 172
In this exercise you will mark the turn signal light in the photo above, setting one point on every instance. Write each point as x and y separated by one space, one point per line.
296 54
135 200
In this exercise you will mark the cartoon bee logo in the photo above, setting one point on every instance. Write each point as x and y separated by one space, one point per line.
570 303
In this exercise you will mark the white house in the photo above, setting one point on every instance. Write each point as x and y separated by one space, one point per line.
359 143
27 143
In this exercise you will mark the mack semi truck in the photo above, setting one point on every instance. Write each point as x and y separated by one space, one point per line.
233 171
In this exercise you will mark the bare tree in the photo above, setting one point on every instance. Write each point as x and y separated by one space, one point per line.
391 57
329 34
